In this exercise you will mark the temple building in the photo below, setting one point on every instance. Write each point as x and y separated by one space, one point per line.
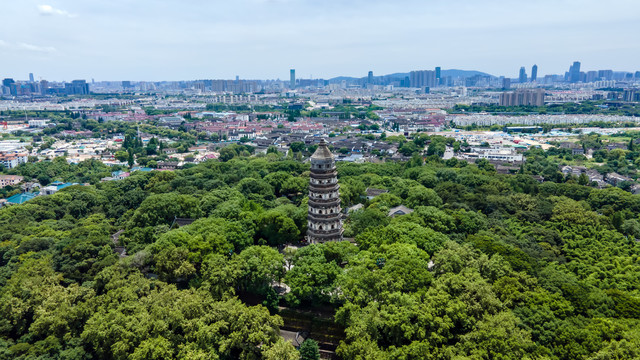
325 215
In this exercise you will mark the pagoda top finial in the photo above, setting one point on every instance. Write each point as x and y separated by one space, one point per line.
322 152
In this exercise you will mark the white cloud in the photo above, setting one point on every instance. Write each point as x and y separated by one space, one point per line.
267 37
27 47
36 48
50 10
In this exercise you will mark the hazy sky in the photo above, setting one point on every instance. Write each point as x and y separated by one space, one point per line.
212 39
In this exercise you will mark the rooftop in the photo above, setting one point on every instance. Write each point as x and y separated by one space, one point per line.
322 152
21 198
399 210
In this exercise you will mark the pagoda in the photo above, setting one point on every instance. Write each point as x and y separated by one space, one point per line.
325 215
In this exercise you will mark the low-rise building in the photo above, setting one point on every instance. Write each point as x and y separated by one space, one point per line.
596 177
18 199
500 169
119 175
615 179
30 186
171 121
10 180
38 123
10 161
55 187
614 146
399 210
373 192
167 165
493 154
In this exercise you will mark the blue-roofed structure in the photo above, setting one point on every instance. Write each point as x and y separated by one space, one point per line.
64 185
55 187
143 169
21 198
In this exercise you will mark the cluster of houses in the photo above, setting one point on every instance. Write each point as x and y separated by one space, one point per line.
345 148
103 150
577 149
29 190
121 175
240 126
601 181
409 121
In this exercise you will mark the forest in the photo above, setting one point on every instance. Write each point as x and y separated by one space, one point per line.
487 266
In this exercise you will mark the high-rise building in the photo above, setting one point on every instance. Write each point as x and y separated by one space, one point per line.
44 87
630 95
605 74
10 85
292 78
574 72
522 78
77 87
533 97
422 78
438 75
506 83
534 73
370 77
31 77
325 214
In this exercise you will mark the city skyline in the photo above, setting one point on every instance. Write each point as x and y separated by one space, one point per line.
261 39
368 76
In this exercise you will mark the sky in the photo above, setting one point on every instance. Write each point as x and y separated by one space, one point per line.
153 40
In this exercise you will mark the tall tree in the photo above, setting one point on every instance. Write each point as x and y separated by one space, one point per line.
309 350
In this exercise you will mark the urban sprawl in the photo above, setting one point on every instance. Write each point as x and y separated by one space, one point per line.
161 126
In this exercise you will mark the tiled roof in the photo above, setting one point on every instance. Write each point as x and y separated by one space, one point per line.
322 152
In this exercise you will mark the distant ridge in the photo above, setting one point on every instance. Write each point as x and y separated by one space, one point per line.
454 73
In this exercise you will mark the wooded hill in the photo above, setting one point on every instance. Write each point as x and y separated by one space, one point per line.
488 266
